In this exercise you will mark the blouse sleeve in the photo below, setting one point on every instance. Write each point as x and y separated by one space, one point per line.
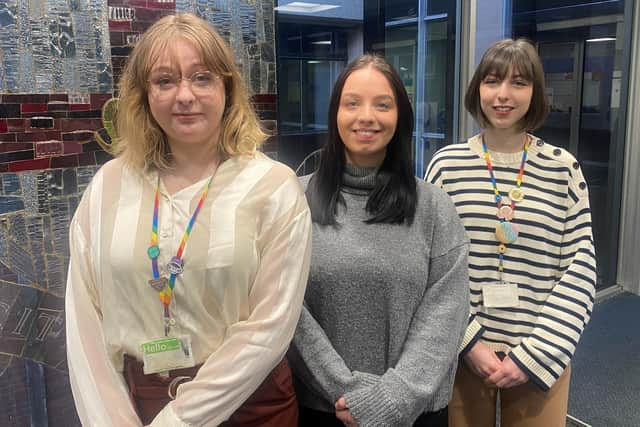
546 351
99 391
253 347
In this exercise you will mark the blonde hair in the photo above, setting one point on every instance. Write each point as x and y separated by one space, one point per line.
141 143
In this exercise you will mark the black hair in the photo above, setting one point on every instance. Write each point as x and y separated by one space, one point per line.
394 196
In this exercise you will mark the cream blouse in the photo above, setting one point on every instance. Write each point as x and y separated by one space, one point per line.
245 271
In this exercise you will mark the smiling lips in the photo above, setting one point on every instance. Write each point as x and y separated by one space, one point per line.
503 109
366 134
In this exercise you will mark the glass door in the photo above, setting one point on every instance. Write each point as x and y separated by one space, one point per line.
583 78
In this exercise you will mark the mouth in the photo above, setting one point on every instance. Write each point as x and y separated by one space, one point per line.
366 132
503 108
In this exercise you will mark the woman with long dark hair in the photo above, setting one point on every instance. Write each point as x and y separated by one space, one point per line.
386 301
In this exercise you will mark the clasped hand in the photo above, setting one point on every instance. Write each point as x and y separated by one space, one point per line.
495 372
343 413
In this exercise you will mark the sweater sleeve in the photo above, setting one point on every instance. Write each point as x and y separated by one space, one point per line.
546 352
435 175
316 362
431 346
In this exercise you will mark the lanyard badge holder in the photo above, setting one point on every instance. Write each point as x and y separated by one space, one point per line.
170 352
501 294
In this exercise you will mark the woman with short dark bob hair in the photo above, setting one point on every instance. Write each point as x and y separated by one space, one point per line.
386 300
532 273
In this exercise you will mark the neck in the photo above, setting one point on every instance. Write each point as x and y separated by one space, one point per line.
504 140
189 165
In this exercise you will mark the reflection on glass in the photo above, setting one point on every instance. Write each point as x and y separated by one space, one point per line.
401 51
558 60
304 91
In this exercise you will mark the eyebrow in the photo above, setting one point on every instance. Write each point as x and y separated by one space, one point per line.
357 95
172 68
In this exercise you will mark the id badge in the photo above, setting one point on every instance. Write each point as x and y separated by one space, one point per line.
166 354
500 295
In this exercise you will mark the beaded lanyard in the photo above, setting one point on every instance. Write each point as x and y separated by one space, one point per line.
175 266
506 231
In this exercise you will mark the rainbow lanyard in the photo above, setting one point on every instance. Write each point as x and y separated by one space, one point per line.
506 231
175 266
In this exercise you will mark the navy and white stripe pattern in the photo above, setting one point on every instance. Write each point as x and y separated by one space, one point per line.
552 261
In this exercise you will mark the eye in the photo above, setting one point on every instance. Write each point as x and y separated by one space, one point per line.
164 81
350 103
521 82
202 78
383 106
490 80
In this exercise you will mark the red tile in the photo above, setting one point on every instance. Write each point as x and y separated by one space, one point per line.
163 5
72 147
47 149
70 125
25 165
4 168
4 127
119 25
39 136
63 97
7 137
16 125
69 161
33 108
8 147
86 159
98 100
79 107
264 98
24 99
79 135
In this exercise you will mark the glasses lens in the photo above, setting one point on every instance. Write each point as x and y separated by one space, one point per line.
165 85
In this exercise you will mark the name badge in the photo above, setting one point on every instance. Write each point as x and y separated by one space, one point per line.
500 295
166 354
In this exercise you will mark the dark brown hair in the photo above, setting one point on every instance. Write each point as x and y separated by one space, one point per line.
394 197
498 59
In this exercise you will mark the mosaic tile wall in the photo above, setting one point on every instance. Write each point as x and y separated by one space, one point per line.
60 61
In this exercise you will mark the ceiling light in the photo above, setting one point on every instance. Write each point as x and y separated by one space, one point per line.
302 7
602 39
322 42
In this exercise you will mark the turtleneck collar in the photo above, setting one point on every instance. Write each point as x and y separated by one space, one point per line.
358 180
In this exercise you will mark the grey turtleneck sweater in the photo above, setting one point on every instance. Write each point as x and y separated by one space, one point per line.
385 309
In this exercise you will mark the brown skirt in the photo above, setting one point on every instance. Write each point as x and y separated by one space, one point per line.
273 404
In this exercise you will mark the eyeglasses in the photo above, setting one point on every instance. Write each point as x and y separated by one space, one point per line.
166 85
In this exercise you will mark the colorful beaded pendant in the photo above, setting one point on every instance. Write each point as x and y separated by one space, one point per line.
506 232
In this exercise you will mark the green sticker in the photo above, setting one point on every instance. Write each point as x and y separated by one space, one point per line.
160 346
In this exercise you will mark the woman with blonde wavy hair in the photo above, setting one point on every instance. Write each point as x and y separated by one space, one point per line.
189 251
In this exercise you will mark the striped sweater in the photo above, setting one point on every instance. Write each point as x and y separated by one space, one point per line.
552 261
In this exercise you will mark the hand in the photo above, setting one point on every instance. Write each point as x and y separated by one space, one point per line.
482 360
509 375
343 414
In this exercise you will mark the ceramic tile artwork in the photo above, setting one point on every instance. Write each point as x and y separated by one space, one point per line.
60 61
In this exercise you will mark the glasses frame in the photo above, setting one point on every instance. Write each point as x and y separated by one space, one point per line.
170 92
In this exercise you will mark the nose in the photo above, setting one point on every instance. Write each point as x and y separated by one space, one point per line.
366 114
503 90
184 93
